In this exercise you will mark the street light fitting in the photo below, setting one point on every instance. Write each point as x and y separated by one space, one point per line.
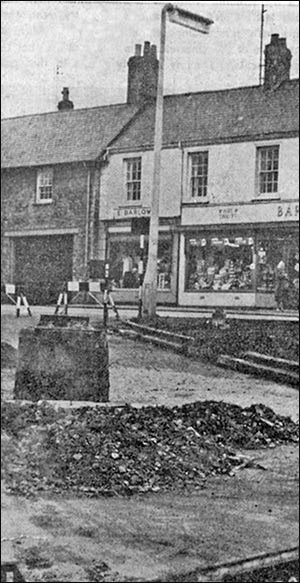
188 19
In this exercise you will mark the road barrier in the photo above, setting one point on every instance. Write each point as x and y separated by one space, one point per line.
16 293
91 288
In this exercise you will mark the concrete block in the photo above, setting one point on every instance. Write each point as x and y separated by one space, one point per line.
62 363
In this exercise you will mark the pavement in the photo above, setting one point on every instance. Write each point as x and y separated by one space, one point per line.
130 311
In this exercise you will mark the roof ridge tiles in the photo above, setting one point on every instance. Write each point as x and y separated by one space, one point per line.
71 112
169 95
230 89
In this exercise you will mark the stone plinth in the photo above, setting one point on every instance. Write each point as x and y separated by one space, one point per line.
62 363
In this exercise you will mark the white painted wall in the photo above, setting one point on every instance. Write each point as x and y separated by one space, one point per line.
232 171
113 193
231 176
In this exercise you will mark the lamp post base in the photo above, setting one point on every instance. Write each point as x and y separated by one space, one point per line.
149 300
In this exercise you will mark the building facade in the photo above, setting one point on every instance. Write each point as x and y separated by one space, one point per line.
231 245
229 202
76 190
50 187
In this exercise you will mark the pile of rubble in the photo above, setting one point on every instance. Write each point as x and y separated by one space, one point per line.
236 336
121 451
285 572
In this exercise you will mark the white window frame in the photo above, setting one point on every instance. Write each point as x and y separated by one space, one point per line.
274 194
131 180
44 180
197 197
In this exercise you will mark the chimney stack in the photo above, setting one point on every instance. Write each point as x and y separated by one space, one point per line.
65 104
142 75
277 62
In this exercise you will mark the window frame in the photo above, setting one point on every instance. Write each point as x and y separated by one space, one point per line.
46 170
130 180
202 198
273 194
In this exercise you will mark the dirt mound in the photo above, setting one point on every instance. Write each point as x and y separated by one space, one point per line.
123 451
238 336
9 355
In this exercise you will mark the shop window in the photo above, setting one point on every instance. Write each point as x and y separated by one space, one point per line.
198 175
133 178
273 249
268 166
220 263
124 258
44 185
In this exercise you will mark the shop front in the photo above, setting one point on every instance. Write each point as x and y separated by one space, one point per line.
230 259
123 253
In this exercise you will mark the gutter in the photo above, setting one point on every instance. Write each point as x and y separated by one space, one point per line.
210 141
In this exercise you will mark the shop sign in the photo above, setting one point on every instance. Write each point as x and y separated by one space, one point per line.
129 212
228 213
288 211
244 213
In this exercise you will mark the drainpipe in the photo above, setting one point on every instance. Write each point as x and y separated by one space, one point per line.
92 213
255 266
88 196
95 196
180 146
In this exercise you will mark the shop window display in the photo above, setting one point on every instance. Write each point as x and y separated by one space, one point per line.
124 257
220 263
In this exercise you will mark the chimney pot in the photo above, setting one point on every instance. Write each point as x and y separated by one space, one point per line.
138 50
146 48
65 104
153 52
274 38
65 93
282 42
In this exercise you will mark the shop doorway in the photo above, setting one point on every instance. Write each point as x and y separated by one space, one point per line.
273 248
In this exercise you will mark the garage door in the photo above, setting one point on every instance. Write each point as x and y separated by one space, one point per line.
42 265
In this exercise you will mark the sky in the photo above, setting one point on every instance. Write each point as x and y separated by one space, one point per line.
86 45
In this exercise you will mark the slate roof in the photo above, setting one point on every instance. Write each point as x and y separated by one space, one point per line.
58 137
206 117
216 116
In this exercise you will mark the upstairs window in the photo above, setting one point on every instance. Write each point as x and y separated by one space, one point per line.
133 178
268 165
198 175
44 185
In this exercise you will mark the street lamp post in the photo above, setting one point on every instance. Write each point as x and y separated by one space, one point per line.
200 24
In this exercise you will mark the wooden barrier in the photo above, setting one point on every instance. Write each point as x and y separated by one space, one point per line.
16 294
